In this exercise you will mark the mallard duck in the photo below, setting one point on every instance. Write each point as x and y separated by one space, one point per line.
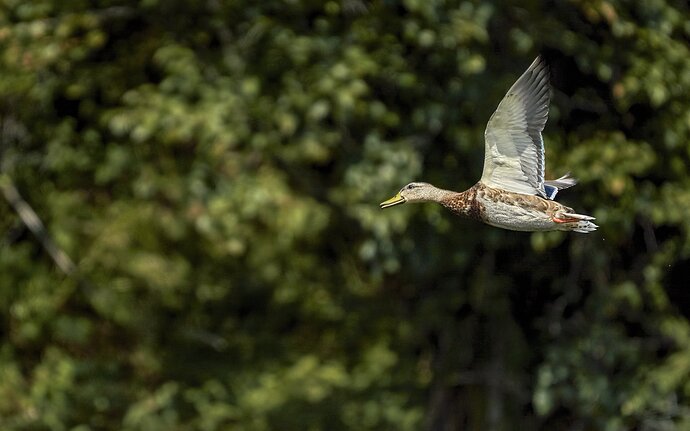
512 193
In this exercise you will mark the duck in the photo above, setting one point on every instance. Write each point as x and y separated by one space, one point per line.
512 192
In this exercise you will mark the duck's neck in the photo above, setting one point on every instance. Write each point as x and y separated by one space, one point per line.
439 195
463 203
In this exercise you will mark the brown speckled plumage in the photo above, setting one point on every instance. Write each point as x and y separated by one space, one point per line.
465 203
535 203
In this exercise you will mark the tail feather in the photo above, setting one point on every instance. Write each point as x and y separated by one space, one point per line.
553 186
585 227
579 216
583 223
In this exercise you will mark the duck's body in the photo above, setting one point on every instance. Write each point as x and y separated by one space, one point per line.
514 211
512 193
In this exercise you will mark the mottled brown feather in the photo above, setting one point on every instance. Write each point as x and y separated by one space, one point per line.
466 203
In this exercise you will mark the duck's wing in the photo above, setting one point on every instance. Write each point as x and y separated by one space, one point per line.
514 153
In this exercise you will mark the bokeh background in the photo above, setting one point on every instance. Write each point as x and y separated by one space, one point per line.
209 174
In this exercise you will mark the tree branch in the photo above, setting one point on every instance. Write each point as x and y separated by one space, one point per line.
34 223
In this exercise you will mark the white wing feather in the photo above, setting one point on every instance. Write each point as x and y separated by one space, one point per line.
514 149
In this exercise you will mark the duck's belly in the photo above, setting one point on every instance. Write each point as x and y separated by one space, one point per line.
514 217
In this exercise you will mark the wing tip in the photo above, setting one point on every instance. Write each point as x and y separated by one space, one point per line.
539 61
540 68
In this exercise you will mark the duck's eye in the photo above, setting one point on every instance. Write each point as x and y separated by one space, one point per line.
410 186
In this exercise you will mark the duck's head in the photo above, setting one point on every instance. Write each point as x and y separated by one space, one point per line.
413 192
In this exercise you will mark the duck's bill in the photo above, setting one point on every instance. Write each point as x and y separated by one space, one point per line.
395 200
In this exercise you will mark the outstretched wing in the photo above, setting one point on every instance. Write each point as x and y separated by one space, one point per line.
514 149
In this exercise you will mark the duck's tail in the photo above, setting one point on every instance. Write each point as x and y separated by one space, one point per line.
576 222
551 187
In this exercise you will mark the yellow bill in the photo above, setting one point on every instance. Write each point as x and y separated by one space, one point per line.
395 200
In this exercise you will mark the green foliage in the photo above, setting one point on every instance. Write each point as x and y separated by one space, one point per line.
214 169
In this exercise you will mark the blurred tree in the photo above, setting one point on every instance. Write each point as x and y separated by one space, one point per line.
213 168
